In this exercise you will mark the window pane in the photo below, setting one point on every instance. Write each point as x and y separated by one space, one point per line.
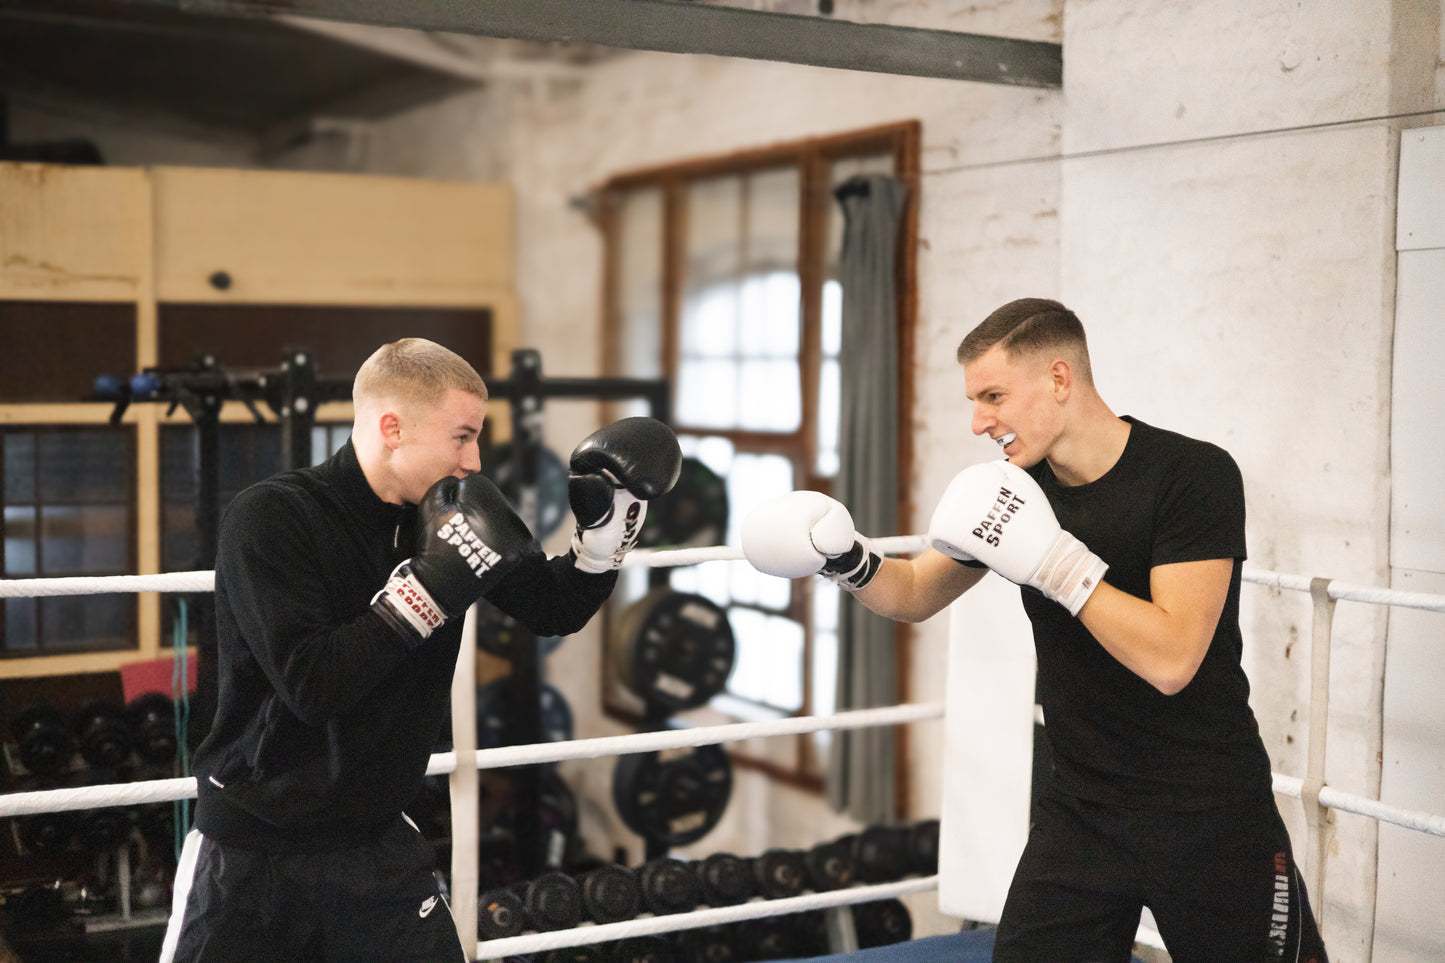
84 540
832 333
19 541
710 323
20 630
825 683
639 283
19 468
755 479
68 511
772 222
89 623
770 322
707 394
771 396
769 666
85 465
830 401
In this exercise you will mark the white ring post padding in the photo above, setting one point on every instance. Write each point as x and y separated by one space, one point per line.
23 588
462 786
648 925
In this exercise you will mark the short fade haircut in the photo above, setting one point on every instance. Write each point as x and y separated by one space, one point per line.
415 373
1029 326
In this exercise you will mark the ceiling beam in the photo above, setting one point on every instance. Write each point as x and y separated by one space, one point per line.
672 26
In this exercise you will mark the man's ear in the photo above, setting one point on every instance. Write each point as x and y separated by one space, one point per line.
1063 379
389 423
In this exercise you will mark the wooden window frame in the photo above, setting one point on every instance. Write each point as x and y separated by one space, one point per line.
814 158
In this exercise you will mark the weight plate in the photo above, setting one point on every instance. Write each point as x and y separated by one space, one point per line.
676 649
497 723
673 797
554 902
551 492
882 923
693 514
642 949
498 633
710 944
779 873
611 894
881 853
669 886
153 726
500 913
105 740
830 866
923 847
46 745
46 832
726 879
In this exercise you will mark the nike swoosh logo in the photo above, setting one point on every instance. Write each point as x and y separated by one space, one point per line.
427 907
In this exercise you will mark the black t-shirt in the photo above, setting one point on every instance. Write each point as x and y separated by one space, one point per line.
1115 738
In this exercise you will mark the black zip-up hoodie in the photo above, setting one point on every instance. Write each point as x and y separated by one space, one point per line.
326 716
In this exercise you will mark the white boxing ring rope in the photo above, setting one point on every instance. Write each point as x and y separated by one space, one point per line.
1309 789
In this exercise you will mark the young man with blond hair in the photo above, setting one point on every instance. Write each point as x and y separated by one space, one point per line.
340 591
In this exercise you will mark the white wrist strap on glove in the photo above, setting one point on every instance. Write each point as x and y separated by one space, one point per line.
602 548
1069 573
410 599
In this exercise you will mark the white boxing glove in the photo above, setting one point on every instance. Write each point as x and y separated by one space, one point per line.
807 533
996 513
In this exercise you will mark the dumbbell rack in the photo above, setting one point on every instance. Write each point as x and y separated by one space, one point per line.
527 392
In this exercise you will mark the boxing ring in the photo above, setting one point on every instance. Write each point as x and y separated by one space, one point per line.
464 761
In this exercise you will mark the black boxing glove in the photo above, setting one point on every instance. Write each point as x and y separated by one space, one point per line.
468 538
614 472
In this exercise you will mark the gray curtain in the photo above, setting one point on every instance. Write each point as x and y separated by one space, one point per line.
861 762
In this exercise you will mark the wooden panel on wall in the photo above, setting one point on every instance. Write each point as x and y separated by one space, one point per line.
298 238
73 233
338 338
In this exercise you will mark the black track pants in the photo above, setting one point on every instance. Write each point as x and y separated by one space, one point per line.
373 902
1222 885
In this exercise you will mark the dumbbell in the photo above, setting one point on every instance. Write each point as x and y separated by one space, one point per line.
611 893
105 740
769 938
46 745
881 854
923 847
45 832
709 944
726 879
553 901
669 886
500 913
642 949
882 922
153 726
830 866
575 954
779 873
101 830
